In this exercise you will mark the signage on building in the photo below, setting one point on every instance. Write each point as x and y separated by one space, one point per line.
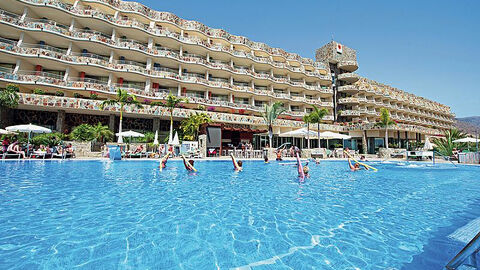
339 48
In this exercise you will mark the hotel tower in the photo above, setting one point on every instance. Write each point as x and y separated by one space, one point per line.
67 56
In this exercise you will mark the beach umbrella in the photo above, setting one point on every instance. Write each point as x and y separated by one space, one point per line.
299 133
28 129
428 145
130 133
170 138
466 140
155 141
6 132
332 135
175 139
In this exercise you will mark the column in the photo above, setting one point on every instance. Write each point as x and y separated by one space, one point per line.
150 43
156 124
231 62
207 94
20 39
179 91
17 66
252 101
76 3
230 97
24 15
115 16
72 25
69 50
208 57
231 80
67 74
110 79
207 74
180 70
252 84
111 123
60 125
364 142
112 55
253 68
181 48
148 85
149 64
114 34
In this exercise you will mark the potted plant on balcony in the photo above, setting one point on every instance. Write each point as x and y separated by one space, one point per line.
59 94
38 91
123 98
93 95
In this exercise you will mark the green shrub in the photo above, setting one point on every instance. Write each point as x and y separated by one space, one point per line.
83 133
38 91
50 139
59 94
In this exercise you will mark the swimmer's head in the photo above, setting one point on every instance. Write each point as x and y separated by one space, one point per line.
357 165
240 163
191 162
266 158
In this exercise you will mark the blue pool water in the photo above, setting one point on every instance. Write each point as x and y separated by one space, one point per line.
128 215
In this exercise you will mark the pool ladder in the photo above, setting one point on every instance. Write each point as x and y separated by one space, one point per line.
467 256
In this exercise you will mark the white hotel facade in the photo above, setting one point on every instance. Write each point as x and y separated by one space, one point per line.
68 55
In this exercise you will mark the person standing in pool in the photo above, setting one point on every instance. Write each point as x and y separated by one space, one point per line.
236 165
189 164
355 167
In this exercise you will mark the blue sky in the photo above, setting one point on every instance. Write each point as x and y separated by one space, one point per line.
428 48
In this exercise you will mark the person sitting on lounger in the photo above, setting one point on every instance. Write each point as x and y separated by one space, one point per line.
15 148
189 164
139 149
236 165
5 144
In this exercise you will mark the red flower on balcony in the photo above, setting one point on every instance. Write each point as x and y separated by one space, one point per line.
241 111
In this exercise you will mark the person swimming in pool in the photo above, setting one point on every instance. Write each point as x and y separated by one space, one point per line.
265 159
236 165
306 170
189 164
356 166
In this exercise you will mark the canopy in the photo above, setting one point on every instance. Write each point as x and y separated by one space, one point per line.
299 133
5 132
332 135
28 129
130 133
175 139
155 141
428 145
467 140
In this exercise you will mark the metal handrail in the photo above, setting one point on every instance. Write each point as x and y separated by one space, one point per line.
467 256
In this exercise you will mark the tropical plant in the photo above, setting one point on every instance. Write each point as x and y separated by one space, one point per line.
49 139
171 103
317 116
445 145
308 120
385 122
270 114
38 91
191 125
83 133
101 133
9 96
123 98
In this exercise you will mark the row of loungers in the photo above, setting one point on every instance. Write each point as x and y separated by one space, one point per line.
36 155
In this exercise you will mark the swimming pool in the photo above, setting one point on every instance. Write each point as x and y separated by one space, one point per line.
127 214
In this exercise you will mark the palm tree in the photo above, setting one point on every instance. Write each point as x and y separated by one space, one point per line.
8 99
308 120
445 145
317 116
101 133
171 103
123 98
385 122
191 125
270 114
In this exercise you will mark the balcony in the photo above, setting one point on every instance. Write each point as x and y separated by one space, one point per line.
348 89
348 100
350 113
348 65
163 17
348 77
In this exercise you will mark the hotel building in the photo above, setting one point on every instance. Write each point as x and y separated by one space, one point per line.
69 55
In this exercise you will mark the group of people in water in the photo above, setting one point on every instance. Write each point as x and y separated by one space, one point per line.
303 170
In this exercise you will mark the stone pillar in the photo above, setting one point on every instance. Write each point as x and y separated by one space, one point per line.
202 145
156 124
60 126
111 123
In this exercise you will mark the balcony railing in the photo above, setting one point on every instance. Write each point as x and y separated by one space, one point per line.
191 39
